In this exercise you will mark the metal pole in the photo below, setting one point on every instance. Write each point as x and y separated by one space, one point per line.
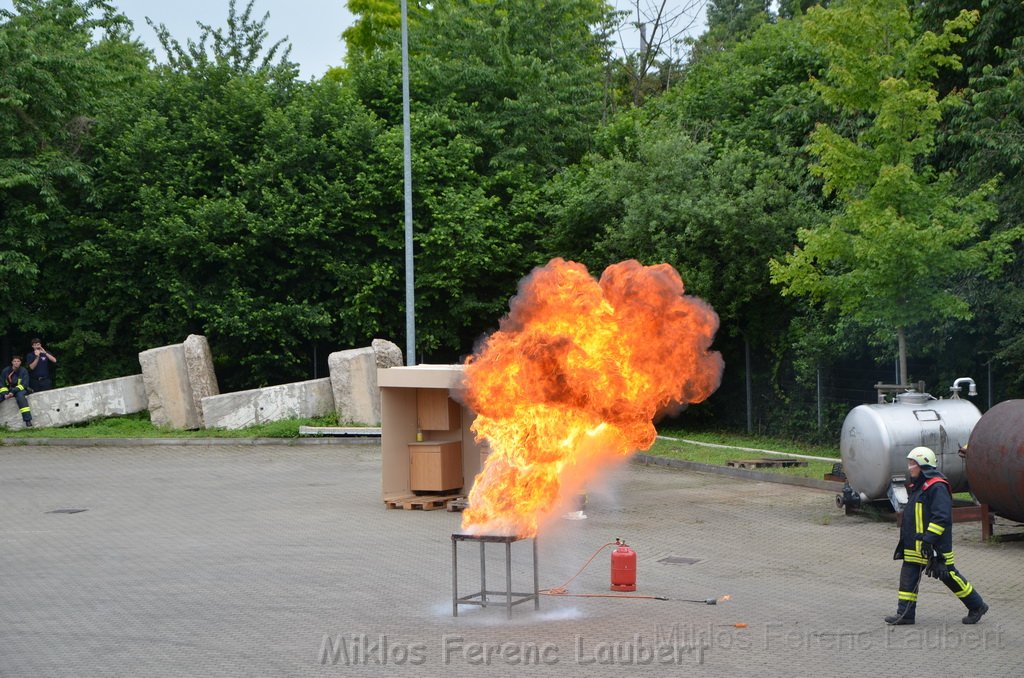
819 399
410 295
750 397
989 384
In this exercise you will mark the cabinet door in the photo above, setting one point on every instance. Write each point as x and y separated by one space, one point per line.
435 411
435 467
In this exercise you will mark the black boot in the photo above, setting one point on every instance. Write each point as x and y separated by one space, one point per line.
905 613
898 620
974 615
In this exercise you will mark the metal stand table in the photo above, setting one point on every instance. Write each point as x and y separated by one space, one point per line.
481 597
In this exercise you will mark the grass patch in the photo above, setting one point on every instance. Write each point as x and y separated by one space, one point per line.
138 426
758 442
675 449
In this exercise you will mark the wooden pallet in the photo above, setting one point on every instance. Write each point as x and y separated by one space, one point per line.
421 503
397 502
766 463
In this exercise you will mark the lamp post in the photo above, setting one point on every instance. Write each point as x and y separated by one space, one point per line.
410 294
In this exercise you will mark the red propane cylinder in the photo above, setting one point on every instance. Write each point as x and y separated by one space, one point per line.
623 569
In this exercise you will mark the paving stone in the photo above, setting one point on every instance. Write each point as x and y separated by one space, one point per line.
228 560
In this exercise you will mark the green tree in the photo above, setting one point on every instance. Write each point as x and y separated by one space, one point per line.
233 200
523 78
505 93
376 26
716 214
241 47
710 177
986 140
729 22
736 20
60 62
999 23
902 234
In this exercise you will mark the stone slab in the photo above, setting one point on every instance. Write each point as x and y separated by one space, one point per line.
388 354
199 364
302 399
166 378
78 404
354 383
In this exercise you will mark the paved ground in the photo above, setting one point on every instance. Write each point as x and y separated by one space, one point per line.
241 560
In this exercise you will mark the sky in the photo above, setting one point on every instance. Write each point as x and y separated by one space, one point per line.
313 27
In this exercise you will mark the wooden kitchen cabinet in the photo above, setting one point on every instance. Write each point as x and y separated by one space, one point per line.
435 466
409 398
435 411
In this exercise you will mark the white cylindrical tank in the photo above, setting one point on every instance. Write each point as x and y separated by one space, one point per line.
876 439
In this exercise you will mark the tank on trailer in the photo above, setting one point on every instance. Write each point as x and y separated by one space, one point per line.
876 438
995 459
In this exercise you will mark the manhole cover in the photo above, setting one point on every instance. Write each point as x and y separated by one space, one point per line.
67 510
679 560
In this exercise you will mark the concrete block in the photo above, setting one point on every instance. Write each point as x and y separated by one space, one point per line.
165 375
354 381
199 364
81 403
257 406
388 354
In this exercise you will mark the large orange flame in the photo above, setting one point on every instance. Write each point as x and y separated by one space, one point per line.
573 380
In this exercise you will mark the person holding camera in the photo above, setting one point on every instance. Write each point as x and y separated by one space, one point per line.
40 364
14 384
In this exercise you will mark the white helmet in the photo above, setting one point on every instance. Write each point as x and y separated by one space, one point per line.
923 456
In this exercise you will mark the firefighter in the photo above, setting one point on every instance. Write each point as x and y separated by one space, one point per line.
14 384
926 541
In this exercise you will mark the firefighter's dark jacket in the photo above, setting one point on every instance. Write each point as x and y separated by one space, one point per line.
13 381
927 517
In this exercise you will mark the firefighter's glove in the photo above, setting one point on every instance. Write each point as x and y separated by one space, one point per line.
937 566
927 551
928 537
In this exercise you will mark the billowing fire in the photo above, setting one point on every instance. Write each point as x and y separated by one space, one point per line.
573 379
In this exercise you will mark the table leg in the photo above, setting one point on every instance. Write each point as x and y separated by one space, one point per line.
536 582
508 578
455 578
483 577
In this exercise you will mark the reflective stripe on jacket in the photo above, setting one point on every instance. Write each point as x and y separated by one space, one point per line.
927 517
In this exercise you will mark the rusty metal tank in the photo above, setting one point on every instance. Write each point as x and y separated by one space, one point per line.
876 439
995 459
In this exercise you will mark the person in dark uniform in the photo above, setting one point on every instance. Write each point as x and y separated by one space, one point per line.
926 541
14 384
40 364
